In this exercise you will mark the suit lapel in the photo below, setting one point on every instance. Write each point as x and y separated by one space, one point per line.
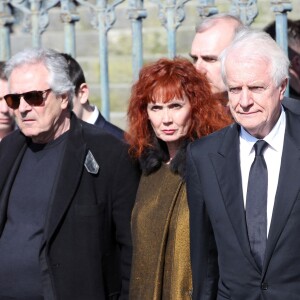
288 184
100 122
228 171
69 176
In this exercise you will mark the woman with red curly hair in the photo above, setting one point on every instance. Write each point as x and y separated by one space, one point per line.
170 106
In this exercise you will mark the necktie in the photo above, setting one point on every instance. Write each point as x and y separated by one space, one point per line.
256 204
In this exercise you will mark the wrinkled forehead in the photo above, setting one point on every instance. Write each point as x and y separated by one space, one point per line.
244 70
28 77
213 40
246 55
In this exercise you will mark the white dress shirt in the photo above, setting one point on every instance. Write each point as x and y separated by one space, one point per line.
92 119
272 157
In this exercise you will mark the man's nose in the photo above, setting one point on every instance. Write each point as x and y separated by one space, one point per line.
200 66
245 97
23 105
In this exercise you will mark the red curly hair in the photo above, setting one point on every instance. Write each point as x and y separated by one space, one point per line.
172 78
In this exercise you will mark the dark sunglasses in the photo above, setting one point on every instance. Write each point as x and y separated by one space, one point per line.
33 98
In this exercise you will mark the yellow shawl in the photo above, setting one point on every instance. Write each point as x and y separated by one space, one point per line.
161 242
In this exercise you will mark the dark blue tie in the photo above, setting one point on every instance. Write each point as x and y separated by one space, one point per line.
256 204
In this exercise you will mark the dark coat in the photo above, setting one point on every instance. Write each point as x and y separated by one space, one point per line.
109 127
292 104
87 235
215 197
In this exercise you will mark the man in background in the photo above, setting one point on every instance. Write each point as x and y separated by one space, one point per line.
81 105
7 121
293 36
243 182
212 36
67 189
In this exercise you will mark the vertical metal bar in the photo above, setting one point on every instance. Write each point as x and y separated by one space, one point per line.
243 11
70 41
105 18
171 30
136 13
103 58
281 37
281 31
246 10
35 31
69 17
280 8
5 49
171 15
36 18
6 19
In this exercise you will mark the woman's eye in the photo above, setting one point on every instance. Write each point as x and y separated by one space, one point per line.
155 107
175 106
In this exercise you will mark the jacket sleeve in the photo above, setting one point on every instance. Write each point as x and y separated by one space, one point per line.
124 187
204 257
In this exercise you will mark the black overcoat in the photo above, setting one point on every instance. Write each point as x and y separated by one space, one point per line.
222 264
87 241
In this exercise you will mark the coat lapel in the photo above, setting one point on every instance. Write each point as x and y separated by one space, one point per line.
228 171
69 176
67 181
100 122
288 183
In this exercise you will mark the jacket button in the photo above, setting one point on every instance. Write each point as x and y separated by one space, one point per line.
264 286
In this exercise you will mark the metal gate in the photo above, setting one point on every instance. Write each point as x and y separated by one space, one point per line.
33 17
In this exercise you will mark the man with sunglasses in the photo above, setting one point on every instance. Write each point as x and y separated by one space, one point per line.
66 192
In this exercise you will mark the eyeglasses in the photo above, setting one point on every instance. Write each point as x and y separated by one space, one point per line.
33 98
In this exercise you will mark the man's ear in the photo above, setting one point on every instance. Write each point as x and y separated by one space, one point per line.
64 101
283 87
83 93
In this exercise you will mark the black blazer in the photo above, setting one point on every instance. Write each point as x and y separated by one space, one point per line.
109 127
217 213
87 237
292 104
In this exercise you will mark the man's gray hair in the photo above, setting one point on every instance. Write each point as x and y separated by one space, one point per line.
209 22
258 44
59 79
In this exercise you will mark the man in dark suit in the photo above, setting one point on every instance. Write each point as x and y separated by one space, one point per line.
245 225
66 192
81 105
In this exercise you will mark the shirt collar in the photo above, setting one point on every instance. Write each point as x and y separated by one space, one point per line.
92 119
